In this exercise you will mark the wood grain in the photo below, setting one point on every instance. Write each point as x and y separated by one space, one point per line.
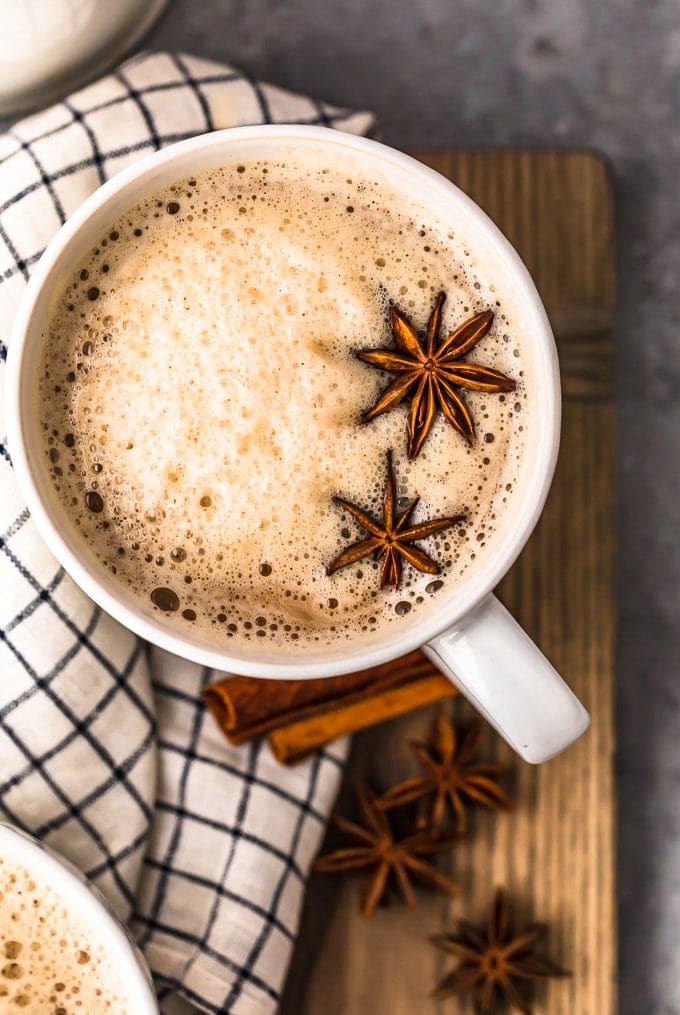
556 852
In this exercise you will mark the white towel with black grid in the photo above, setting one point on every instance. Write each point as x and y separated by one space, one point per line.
106 753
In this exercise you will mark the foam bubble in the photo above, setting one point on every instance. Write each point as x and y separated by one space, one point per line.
201 401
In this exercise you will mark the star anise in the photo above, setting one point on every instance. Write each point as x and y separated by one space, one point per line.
429 369
391 860
495 963
393 538
451 779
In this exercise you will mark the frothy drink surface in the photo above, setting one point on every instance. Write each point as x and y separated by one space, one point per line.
50 964
201 401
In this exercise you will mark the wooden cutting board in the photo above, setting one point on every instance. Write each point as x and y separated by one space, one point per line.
556 852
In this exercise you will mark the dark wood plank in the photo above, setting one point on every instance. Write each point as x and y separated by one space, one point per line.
556 853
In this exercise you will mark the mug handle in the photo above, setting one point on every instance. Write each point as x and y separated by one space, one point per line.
496 665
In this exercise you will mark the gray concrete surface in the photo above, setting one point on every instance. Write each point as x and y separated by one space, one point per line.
602 74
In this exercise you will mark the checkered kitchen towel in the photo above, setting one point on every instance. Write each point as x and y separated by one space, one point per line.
105 750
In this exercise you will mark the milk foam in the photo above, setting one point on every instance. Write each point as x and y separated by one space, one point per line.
49 962
201 400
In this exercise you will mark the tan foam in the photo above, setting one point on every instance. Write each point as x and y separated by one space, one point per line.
219 396
50 964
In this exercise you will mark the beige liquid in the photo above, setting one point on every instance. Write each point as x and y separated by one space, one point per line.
49 963
199 387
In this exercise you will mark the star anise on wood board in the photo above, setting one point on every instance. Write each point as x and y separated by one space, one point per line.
390 860
496 963
391 540
451 778
429 369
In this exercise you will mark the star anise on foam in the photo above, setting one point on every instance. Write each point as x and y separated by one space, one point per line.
391 540
429 369
392 861
451 779
496 963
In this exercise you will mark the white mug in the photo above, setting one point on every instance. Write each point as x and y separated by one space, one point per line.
85 905
470 636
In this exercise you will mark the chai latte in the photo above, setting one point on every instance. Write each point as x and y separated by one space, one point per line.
50 962
201 401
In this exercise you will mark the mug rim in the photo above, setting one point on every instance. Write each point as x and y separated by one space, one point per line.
87 903
342 660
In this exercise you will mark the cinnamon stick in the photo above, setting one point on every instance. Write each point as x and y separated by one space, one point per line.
302 715
298 739
246 707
